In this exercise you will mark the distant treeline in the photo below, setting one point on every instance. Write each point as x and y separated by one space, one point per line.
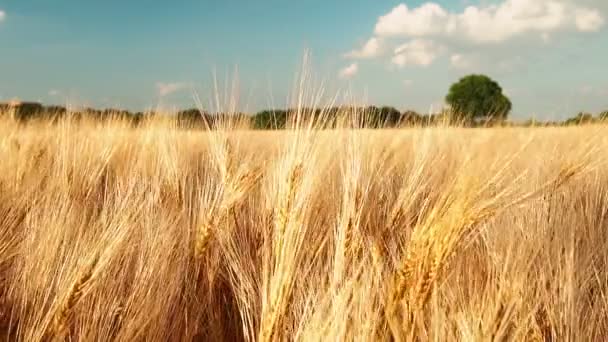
370 116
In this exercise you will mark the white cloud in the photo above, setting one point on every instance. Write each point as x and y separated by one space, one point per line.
349 71
372 48
460 61
165 89
511 18
408 83
430 30
53 92
489 23
588 20
421 21
2 15
416 52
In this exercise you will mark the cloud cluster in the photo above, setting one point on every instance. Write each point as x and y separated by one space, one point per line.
349 71
2 15
416 52
588 20
460 61
425 32
489 24
372 48
165 89
417 22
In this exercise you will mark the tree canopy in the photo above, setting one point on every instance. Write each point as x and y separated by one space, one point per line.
478 97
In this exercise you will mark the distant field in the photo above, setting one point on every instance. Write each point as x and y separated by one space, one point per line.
109 232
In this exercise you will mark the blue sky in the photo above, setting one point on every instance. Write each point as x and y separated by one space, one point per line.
549 56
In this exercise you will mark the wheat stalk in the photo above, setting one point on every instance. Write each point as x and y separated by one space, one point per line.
60 322
203 238
272 315
350 245
433 244
235 187
284 211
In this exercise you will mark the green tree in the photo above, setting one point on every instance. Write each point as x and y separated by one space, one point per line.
270 119
478 97
193 117
580 118
603 116
379 117
410 118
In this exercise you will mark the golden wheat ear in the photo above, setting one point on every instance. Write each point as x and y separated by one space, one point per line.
236 186
61 319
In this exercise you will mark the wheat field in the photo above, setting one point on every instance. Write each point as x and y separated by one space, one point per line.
116 233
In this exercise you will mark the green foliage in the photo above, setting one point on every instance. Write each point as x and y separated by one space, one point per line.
382 117
580 118
410 118
478 97
370 117
327 118
531 123
26 110
270 119
192 118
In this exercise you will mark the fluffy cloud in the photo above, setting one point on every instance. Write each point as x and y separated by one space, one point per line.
165 89
54 92
490 23
349 71
420 35
421 21
588 20
460 61
416 52
372 48
2 15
